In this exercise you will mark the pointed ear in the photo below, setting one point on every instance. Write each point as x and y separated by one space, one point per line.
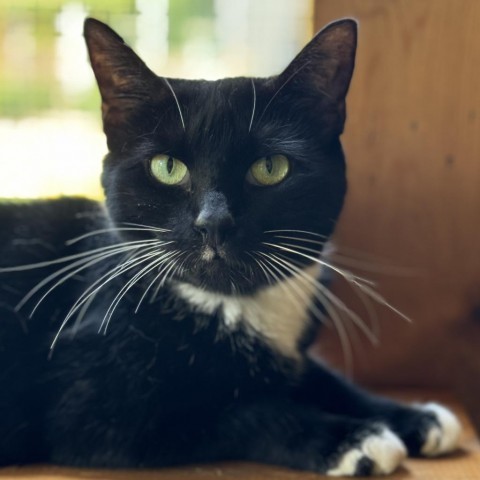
325 65
123 78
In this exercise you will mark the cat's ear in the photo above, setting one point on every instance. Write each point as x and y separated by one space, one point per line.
125 82
325 65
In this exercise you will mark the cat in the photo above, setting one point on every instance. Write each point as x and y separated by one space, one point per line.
171 323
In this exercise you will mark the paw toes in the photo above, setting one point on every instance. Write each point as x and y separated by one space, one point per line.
443 434
386 449
379 453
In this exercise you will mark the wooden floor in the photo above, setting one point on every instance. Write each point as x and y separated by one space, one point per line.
463 465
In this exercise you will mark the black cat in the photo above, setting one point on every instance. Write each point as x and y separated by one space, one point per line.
171 324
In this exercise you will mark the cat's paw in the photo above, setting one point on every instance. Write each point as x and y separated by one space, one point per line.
442 434
427 430
376 452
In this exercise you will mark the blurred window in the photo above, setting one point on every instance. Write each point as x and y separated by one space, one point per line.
51 141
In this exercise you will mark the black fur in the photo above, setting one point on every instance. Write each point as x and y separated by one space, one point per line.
171 384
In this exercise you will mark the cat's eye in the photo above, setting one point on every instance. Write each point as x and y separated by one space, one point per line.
269 170
168 170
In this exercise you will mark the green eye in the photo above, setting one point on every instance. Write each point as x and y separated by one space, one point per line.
269 170
168 170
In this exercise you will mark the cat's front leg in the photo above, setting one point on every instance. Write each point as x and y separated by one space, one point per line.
426 429
302 437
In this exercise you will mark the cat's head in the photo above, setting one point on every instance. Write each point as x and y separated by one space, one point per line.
243 173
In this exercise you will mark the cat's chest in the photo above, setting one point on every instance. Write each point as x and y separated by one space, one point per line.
278 315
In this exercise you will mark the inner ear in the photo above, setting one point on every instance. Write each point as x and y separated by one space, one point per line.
325 65
125 82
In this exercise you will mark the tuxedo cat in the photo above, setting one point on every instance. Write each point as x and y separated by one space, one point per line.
170 325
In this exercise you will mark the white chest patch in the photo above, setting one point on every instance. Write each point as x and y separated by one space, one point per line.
279 313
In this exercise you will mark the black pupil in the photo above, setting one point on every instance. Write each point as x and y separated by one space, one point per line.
169 165
269 164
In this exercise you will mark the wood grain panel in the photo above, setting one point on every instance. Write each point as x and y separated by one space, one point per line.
413 147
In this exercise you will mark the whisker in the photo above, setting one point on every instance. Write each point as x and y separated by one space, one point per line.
325 292
259 263
107 230
303 297
123 291
81 314
381 300
344 273
175 253
109 276
254 105
180 267
148 227
282 86
368 267
85 262
278 280
48 263
289 230
364 284
116 271
306 240
335 317
176 101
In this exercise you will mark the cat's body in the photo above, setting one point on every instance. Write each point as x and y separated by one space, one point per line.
182 312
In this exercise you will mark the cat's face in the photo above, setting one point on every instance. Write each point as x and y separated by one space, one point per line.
229 166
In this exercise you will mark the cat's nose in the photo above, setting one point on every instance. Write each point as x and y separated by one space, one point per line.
214 221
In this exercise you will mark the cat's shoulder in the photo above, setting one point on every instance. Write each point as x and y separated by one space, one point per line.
17 207
47 221
61 209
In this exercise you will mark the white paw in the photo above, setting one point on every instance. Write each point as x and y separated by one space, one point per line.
442 438
380 453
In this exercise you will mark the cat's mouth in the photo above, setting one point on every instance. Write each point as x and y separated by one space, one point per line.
218 269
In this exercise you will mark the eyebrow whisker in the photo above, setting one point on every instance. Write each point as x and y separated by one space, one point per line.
176 101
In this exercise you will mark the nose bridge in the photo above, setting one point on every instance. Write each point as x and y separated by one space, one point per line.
214 218
213 204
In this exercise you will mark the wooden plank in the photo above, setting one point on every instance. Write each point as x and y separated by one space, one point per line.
413 147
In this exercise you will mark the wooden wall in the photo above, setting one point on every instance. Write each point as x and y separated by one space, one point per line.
413 148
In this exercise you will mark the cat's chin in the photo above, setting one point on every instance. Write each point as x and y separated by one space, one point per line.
223 275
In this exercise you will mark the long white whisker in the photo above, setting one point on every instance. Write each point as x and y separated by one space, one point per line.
368 267
176 101
282 86
380 299
148 227
306 240
333 299
301 294
84 262
160 284
174 254
290 293
116 271
289 230
119 269
123 291
107 230
363 284
81 314
344 273
254 105
337 321
305 298
268 277
48 263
